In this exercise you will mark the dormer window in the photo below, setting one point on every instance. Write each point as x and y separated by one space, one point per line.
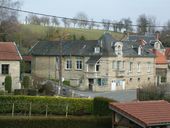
139 50
157 45
97 50
118 48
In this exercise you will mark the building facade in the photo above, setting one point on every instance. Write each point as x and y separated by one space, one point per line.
98 65
9 64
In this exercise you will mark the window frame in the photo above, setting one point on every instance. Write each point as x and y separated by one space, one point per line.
5 68
79 64
68 64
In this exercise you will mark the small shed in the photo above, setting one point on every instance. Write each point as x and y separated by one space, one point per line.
141 114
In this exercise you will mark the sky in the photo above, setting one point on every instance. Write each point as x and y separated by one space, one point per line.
102 9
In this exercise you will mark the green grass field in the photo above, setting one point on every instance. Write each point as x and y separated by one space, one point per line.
93 34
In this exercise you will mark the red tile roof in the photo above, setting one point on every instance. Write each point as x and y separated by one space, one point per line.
167 52
9 52
147 113
160 57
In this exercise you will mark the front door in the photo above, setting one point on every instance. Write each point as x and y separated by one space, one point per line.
91 82
113 87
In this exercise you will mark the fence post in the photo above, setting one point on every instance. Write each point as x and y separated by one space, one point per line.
13 109
46 111
66 110
30 109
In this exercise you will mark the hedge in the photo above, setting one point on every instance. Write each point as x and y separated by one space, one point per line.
101 106
8 83
55 105
56 122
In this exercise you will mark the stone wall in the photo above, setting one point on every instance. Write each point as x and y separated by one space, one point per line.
14 72
48 68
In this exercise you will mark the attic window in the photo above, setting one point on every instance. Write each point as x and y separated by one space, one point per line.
97 50
139 50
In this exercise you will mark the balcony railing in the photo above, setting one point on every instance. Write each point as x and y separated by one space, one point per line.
120 73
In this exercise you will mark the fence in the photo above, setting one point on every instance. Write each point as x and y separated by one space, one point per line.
32 109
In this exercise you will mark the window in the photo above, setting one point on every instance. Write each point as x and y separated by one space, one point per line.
97 50
68 64
102 81
114 65
138 67
163 79
130 79
148 67
119 65
138 79
139 50
5 69
130 66
79 64
97 66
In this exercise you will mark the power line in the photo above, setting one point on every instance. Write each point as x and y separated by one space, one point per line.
60 17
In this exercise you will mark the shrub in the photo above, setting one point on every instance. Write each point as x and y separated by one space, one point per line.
101 106
56 105
8 83
152 92
66 83
26 82
30 92
54 122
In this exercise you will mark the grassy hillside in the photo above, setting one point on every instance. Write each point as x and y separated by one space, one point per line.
41 32
30 34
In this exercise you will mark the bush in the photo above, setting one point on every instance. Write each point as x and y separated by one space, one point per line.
8 83
56 105
30 92
152 92
26 82
101 106
54 122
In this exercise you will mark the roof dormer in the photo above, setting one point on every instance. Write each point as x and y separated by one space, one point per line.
118 48
97 50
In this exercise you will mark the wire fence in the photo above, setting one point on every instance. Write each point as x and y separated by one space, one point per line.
36 109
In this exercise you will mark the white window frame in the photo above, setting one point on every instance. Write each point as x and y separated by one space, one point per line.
68 64
97 66
138 67
114 65
97 50
79 64
130 66
148 67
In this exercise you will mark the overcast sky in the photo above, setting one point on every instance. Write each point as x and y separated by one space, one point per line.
102 9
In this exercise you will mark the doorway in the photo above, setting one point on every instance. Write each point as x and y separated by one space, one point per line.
91 82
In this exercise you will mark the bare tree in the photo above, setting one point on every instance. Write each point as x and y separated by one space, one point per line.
142 23
127 23
151 24
55 21
114 26
120 26
74 21
45 21
82 19
106 24
91 24
33 19
66 22
8 20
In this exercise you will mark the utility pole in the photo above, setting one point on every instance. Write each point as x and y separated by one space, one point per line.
60 63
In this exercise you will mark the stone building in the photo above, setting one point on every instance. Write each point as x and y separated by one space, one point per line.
155 45
97 65
10 64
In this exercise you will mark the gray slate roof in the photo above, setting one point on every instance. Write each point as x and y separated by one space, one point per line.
86 48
